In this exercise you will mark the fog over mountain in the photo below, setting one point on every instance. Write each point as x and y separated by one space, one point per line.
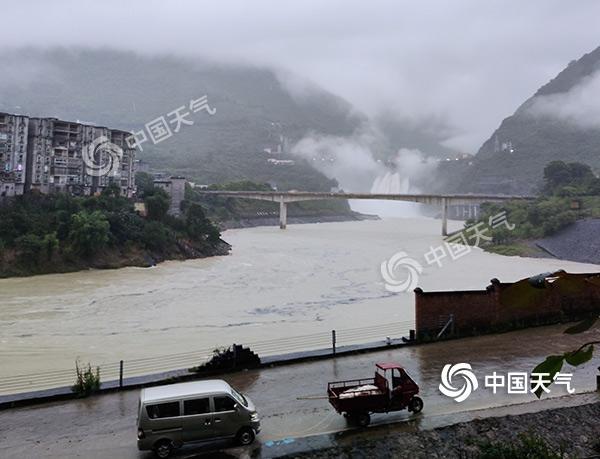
461 65
561 121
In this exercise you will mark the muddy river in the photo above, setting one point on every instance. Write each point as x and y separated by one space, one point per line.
308 279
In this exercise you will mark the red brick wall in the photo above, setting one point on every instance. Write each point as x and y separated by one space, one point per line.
493 308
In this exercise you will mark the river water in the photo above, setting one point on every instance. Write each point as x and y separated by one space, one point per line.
310 278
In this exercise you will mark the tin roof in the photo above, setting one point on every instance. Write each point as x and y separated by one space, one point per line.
388 365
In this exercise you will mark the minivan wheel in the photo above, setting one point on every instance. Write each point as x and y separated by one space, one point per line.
163 448
245 436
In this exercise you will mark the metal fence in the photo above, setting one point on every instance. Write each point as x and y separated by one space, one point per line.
117 371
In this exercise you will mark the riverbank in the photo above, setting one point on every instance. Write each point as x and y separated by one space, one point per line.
109 258
578 242
572 430
273 220
58 233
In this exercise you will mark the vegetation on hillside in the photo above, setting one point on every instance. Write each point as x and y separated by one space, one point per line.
512 159
50 233
571 191
527 446
126 91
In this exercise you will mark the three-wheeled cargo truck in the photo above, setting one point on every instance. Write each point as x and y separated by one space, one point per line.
357 399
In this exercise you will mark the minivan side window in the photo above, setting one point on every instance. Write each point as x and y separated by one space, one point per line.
163 410
196 406
224 404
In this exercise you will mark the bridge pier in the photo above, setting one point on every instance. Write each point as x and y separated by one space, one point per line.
282 214
444 217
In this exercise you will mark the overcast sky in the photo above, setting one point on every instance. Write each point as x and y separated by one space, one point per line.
468 63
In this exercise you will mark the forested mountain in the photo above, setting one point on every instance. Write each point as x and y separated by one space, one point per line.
561 121
254 111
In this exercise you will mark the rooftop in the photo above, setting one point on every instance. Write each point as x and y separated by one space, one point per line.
388 365
184 389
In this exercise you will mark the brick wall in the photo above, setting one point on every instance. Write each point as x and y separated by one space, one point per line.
501 305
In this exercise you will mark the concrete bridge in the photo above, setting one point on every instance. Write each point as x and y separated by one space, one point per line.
440 200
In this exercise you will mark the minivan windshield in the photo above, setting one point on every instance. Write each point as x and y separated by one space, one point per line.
239 397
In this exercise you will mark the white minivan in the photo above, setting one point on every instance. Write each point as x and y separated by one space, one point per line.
177 414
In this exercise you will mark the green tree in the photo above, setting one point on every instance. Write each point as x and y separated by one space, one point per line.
30 247
144 183
156 236
50 243
157 205
198 226
558 174
126 226
90 232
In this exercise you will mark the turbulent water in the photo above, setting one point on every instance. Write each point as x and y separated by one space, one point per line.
389 183
309 278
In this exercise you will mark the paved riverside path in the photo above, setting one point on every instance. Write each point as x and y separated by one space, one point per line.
105 426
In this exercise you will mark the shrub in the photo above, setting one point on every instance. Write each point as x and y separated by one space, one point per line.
88 380
156 236
157 204
527 446
89 232
30 247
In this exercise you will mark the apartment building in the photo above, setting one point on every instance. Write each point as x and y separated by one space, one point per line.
13 153
175 187
47 155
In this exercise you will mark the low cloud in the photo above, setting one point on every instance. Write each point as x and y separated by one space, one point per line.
468 63
580 106
356 162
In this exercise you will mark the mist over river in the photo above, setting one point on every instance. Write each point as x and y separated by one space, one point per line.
310 278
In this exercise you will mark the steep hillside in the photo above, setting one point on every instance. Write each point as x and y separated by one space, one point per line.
561 121
254 111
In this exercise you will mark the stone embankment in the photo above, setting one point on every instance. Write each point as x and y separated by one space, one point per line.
573 430
578 242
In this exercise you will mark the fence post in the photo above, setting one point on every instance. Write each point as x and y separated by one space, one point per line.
333 341
120 374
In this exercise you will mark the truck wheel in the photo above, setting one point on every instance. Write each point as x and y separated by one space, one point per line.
415 405
363 419
163 448
245 436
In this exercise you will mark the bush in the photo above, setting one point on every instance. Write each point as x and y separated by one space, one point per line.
156 236
88 380
30 247
157 204
528 446
90 232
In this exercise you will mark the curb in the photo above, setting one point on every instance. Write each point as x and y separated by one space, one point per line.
64 393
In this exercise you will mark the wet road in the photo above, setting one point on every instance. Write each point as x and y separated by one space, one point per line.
104 426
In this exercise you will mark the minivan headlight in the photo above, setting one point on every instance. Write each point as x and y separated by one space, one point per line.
254 416
141 434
